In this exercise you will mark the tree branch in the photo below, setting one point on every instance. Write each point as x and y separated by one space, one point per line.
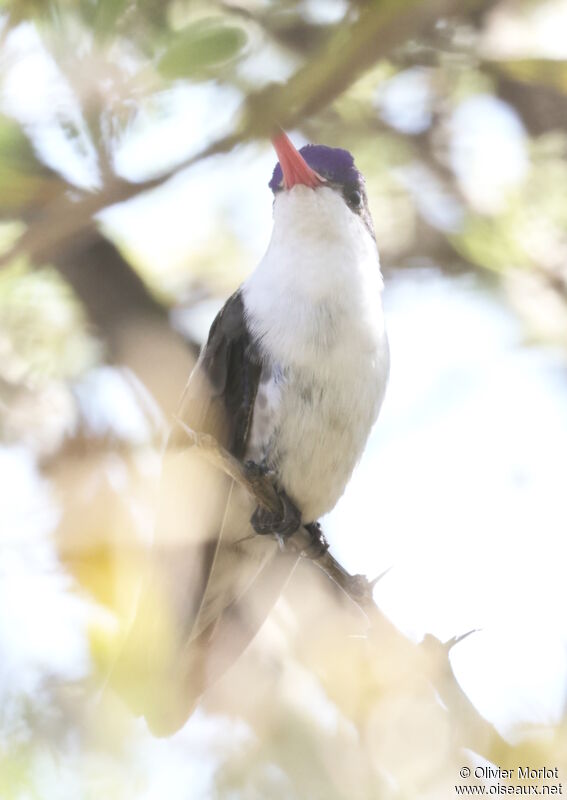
432 653
261 488
350 51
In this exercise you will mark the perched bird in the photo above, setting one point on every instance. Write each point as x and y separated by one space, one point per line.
290 380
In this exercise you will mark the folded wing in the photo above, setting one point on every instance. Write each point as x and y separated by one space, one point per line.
210 581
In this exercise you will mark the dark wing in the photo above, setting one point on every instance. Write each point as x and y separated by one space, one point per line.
230 367
210 582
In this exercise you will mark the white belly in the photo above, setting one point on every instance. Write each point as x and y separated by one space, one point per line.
311 426
313 305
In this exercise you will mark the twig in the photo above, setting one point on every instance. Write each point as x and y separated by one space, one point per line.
432 654
70 217
261 488
347 54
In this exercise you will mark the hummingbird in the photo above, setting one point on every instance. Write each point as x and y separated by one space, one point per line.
290 382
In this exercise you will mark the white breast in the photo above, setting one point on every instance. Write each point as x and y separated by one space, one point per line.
314 302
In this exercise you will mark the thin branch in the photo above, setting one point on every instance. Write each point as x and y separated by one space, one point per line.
349 52
261 488
481 735
71 215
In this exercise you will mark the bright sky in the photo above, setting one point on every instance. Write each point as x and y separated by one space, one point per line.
467 465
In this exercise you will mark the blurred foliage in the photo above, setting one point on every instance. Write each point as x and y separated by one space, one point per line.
199 47
23 180
43 325
86 90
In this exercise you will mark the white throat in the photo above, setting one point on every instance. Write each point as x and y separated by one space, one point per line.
314 305
319 278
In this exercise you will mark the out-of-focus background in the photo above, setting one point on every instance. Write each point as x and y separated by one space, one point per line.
134 162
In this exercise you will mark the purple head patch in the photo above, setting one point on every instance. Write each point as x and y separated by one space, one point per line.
331 163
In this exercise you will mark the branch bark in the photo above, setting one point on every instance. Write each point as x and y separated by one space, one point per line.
350 51
432 653
261 488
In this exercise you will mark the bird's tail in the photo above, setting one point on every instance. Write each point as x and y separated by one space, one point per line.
201 604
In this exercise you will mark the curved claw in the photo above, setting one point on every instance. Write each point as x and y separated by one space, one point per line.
319 544
282 524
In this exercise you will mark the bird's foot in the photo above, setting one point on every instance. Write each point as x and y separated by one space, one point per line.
319 544
286 521
282 523
255 471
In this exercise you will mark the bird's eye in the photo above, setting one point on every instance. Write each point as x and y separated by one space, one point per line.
354 199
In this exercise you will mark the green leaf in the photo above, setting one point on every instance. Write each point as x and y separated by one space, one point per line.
200 46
